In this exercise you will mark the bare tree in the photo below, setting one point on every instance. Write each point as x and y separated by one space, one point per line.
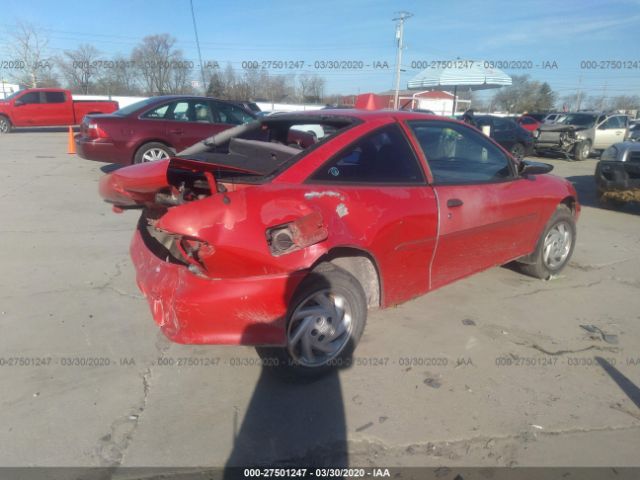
121 78
80 67
525 95
29 45
156 58
311 87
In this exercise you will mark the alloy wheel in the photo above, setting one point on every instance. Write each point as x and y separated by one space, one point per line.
154 154
557 245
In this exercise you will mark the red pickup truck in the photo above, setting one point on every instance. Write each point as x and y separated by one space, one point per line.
38 107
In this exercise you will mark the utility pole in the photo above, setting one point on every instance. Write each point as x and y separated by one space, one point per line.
604 96
195 30
399 38
578 94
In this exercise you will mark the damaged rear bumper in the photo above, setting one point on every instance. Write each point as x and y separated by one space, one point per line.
620 180
196 310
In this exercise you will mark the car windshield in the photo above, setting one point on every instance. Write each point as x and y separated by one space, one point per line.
129 109
579 119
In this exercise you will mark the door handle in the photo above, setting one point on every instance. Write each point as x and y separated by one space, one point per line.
177 131
454 202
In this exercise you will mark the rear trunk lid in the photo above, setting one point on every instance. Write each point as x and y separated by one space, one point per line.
165 183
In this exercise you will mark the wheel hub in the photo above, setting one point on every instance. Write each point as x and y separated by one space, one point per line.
557 245
319 329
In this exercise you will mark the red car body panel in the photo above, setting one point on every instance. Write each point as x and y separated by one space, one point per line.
64 111
416 238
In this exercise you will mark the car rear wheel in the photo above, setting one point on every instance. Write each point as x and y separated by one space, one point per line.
517 150
554 247
5 125
326 320
152 151
582 150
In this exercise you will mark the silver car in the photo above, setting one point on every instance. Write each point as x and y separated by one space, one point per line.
578 134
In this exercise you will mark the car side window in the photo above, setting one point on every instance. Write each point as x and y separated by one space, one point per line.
612 123
179 112
502 125
202 111
158 112
383 156
54 97
31 97
457 154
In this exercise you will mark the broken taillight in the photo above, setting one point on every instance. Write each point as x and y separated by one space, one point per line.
300 233
195 252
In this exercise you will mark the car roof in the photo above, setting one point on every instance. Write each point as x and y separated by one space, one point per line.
367 115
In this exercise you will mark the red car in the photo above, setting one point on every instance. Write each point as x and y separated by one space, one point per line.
36 107
528 123
254 242
155 128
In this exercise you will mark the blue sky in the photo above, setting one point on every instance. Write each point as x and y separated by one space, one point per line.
565 32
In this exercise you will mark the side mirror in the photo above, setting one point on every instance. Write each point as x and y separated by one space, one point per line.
18 103
528 167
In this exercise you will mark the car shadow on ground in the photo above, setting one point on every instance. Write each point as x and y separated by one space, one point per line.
289 424
112 167
586 187
42 129
292 418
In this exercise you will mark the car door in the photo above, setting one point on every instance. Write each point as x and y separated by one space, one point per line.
54 109
611 131
26 111
180 123
382 203
487 213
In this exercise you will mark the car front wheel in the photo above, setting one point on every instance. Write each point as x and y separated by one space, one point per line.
554 247
326 320
582 150
5 125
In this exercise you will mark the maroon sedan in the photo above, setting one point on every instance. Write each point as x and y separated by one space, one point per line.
155 128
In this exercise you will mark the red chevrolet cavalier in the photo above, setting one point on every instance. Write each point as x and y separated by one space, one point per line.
248 239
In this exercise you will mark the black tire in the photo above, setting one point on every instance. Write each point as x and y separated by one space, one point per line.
5 125
536 266
326 277
144 152
518 150
582 150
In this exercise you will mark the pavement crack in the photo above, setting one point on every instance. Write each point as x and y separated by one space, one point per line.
564 352
570 287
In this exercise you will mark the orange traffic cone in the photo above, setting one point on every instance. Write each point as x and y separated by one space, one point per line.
71 147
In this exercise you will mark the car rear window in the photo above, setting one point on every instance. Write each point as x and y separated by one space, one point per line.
129 109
